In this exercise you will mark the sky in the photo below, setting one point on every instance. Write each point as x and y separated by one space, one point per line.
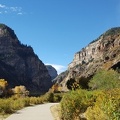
57 29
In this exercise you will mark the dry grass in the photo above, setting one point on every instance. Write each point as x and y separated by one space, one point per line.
3 117
56 112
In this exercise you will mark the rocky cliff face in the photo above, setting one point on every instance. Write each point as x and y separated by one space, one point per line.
52 71
105 48
103 53
19 65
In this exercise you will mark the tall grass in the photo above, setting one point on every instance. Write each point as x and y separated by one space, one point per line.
10 105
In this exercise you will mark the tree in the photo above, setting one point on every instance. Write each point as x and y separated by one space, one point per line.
72 84
56 88
20 90
3 84
3 87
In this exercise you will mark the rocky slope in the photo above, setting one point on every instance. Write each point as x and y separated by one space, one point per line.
52 71
102 53
19 65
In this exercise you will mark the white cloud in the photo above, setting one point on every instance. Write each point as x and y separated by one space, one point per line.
59 68
14 9
2 6
11 9
20 13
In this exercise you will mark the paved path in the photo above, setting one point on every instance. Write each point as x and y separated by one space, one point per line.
37 112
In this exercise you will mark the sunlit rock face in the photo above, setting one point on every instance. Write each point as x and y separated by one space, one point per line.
102 53
99 50
19 65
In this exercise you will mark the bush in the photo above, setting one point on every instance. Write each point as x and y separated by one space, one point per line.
107 106
52 97
20 90
83 82
72 84
36 100
94 105
100 104
18 104
14 103
105 80
76 102
58 97
5 106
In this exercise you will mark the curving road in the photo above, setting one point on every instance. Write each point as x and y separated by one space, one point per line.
37 112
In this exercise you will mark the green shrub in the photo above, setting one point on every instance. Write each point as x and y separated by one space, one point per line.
107 106
26 101
83 82
49 97
35 100
52 97
76 102
96 105
72 84
105 80
18 104
12 104
5 106
58 97
100 104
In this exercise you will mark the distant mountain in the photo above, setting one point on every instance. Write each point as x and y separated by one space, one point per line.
102 53
52 71
19 65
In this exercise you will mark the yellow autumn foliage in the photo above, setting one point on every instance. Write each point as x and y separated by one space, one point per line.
3 83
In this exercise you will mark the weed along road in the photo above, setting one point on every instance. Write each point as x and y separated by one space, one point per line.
37 112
